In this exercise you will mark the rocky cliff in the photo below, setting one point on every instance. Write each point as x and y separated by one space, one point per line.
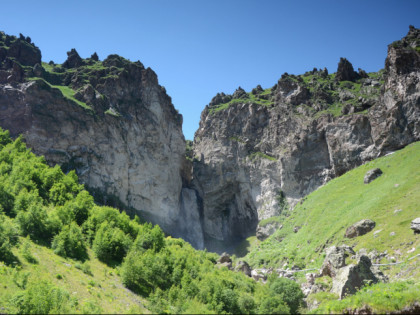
254 155
109 120
258 153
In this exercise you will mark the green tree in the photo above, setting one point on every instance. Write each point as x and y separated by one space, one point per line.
70 243
111 244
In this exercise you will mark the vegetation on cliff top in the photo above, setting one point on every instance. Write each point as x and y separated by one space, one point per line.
325 95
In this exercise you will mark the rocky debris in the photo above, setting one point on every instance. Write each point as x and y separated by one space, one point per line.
73 59
296 229
259 274
372 175
94 56
291 90
224 261
240 93
351 278
335 259
257 90
243 267
362 74
224 258
415 225
263 232
360 228
220 98
345 71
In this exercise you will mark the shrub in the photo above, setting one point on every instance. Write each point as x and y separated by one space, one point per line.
290 291
273 305
37 223
41 298
111 244
8 238
150 238
70 243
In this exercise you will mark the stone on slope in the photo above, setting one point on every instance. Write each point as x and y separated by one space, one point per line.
415 225
372 175
360 228
263 232
243 267
351 278
335 259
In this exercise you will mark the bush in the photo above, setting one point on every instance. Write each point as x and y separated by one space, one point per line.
70 242
111 244
290 291
273 305
37 223
41 298
149 238
143 272
99 215
8 238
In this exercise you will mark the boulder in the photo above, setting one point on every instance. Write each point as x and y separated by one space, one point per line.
243 267
360 228
372 174
257 275
73 59
335 259
351 278
240 93
224 258
257 90
263 232
415 225
345 71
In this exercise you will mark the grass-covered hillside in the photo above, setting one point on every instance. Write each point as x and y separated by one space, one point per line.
61 253
321 219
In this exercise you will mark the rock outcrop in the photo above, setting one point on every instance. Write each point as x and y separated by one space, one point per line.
110 121
360 228
351 278
372 175
415 225
251 151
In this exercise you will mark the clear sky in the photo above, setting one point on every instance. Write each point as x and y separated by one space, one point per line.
199 48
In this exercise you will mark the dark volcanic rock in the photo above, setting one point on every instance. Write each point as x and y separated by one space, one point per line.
360 228
345 71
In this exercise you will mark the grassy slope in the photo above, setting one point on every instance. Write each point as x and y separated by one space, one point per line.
99 292
326 213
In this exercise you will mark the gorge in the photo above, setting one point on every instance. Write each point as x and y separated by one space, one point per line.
254 153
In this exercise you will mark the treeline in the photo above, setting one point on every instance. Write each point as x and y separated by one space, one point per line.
52 209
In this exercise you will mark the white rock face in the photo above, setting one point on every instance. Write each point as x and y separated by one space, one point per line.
134 159
249 155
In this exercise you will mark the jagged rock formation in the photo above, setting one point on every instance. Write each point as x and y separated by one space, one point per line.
110 121
253 148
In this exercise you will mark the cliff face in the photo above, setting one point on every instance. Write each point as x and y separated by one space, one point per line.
254 154
253 151
110 121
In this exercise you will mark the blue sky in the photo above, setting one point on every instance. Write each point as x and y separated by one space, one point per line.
199 48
